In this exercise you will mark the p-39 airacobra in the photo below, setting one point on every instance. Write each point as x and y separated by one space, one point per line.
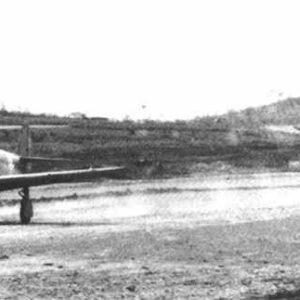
24 179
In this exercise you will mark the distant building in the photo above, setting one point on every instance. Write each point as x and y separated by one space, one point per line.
77 115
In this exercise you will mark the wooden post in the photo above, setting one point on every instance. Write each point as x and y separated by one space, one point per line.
26 208
25 143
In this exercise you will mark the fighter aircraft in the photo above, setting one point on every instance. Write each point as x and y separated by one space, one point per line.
15 173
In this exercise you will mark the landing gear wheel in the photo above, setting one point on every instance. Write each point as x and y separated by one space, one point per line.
26 209
24 219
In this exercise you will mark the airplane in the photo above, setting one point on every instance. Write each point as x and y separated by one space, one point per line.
15 171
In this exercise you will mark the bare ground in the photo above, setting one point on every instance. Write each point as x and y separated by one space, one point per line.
123 246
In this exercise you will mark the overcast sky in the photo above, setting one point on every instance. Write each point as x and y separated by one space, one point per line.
159 59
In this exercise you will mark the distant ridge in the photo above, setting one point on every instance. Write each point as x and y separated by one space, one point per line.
284 112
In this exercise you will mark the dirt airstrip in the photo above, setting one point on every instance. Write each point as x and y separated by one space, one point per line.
217 237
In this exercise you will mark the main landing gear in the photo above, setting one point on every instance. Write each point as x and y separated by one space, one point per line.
26 209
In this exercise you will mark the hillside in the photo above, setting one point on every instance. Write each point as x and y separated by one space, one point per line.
284 112
157 148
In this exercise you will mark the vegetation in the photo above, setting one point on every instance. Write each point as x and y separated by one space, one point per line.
237 138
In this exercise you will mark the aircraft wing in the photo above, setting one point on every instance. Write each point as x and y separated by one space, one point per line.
11 182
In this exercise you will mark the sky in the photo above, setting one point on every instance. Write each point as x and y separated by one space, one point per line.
140 59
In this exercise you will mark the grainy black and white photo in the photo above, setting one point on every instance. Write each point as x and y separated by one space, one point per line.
149 150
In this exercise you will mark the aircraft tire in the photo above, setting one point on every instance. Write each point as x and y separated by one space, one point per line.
26 212
25 220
